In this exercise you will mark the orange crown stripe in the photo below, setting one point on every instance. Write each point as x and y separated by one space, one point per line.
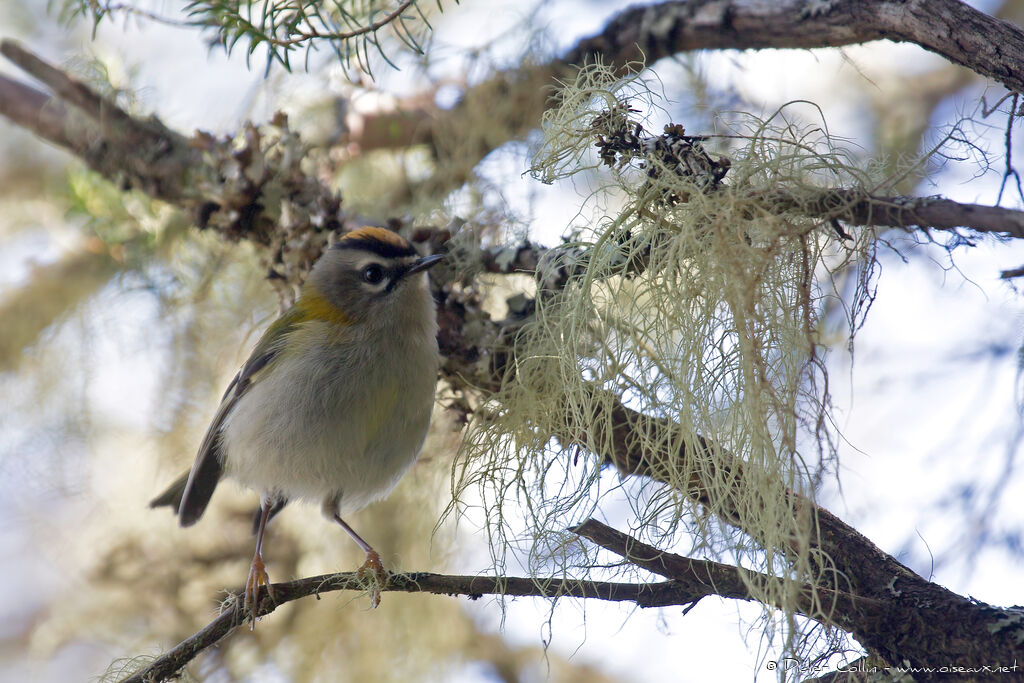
377 240
377 234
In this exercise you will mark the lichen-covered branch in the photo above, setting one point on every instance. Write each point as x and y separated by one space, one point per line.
251 187
984 44
904 617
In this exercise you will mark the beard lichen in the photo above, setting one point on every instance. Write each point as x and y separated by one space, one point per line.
685 346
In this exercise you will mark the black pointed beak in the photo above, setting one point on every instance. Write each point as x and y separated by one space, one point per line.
424 263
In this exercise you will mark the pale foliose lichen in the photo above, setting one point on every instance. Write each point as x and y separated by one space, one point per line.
254 185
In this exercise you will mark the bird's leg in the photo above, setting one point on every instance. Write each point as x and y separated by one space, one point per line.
257 570
372 564
372 556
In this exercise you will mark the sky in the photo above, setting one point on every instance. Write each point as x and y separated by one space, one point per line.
928 402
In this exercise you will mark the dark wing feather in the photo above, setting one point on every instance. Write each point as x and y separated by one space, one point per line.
171 496
192 496
207 468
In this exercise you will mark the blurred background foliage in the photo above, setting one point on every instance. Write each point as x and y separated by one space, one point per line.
121 325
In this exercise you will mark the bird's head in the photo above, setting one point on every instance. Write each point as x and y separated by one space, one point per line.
370 274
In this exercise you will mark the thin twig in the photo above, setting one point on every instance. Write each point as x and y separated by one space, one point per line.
312 33
644 595
99 10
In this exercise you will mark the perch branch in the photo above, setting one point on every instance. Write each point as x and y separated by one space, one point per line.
661 594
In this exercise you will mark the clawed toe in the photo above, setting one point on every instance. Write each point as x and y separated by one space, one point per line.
257 577
380 575
372 564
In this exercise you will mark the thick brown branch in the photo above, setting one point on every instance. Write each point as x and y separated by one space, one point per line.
34 111
66 88
729 581
934 213
970 631
128 151
870 620
986 45
722 579
222 184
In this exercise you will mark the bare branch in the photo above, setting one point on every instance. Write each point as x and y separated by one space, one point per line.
644 595
927 213
35 111
963 35
128 151
69 89
858 615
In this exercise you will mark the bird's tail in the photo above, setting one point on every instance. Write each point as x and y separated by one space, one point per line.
172 496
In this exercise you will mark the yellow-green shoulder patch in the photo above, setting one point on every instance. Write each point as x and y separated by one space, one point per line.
314 306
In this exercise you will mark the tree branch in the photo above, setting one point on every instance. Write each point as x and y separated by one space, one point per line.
252 187
306 35
860 616
927 213
963 35
72 91
984 44
870 620
906 628
661 594
36 112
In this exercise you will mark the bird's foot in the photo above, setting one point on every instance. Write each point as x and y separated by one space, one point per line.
374 575
257 577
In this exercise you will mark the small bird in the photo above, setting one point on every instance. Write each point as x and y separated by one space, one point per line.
334 402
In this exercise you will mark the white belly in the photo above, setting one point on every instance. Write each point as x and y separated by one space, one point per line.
326 426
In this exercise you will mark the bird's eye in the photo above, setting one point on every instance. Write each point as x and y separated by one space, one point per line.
373 274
